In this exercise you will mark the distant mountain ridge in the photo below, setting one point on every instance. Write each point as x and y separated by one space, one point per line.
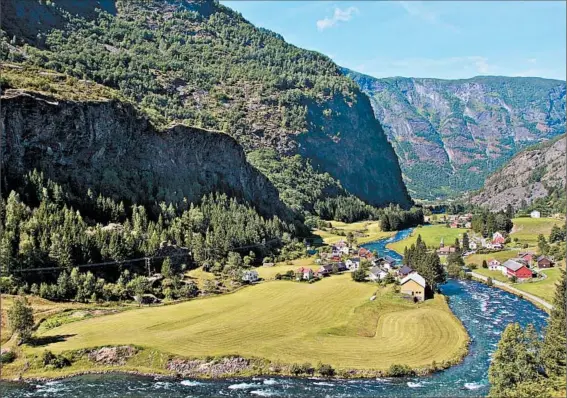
450 134
530 175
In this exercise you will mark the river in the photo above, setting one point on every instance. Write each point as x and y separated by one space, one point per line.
485 312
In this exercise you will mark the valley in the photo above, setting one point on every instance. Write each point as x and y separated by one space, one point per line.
192 204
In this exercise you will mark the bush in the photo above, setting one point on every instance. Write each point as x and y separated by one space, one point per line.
7 357
400 371
489 281
57 361
325 370
473 266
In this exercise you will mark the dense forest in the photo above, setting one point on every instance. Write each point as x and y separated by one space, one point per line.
41 230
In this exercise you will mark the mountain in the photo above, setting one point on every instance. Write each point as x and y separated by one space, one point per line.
532 174
84 136
201 64
451 134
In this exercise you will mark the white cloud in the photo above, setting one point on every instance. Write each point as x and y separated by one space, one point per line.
532 60
338 16
419 10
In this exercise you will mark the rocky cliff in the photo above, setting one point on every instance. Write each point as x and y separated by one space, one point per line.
108 146
528 176
200 63
450 134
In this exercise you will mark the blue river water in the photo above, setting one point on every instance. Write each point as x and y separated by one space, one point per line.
484 311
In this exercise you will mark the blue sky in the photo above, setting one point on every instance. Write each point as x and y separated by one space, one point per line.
442 39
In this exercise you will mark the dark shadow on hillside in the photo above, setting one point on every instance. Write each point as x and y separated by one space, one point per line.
46 340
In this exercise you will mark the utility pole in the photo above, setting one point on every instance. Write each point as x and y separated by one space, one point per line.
148 261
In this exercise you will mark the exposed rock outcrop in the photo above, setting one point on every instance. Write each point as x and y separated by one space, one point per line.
110 147
526 177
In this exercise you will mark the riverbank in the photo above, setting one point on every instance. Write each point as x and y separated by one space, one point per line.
537 301
484 311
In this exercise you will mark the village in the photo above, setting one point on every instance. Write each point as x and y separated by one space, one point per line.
346 256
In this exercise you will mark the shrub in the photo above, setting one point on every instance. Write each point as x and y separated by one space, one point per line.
325 370
57 361
489 281
396 370
7 357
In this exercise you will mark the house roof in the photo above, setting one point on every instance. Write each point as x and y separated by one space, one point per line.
513 265
304 270
414 277
543 258
376 270
405 270
389 259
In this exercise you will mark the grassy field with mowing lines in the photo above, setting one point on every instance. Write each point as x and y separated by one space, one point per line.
527 229
331 321
495 275
369 228
431 235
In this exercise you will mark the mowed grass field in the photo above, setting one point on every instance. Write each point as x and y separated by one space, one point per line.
369 228
332 321
528 229
545 288
431 235
41 309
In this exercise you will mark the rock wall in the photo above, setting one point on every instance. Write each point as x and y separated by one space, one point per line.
110 147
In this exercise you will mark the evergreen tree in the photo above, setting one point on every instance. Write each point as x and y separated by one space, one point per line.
515 360
466 241
20 319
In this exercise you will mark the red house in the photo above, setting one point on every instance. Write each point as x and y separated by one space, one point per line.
519 270
529 257
365 253
498 238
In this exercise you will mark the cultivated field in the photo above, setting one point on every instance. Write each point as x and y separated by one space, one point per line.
528 229
331 321
369 228
431 235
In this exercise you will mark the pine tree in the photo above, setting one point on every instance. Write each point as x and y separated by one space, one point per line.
20 319
553 350
515 360
465 241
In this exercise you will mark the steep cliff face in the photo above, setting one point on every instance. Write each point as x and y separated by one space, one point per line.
110 147
203 64
450 134
528 176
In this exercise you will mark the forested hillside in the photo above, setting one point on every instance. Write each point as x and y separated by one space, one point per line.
451 134
201 64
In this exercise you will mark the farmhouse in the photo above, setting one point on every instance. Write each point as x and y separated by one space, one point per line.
326 269
304 273
527 256
376 273
535 214
250 276
494 265
544 262
365 253
404 271
498 239
353 263
414 285
517 269
446 250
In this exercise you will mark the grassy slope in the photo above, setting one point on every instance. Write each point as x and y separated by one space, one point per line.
41 310
527 229
431 235
545 288
331 320
369 228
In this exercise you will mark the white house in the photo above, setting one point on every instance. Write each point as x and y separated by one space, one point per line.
250 276
494 265
535 214
353 263
376 274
